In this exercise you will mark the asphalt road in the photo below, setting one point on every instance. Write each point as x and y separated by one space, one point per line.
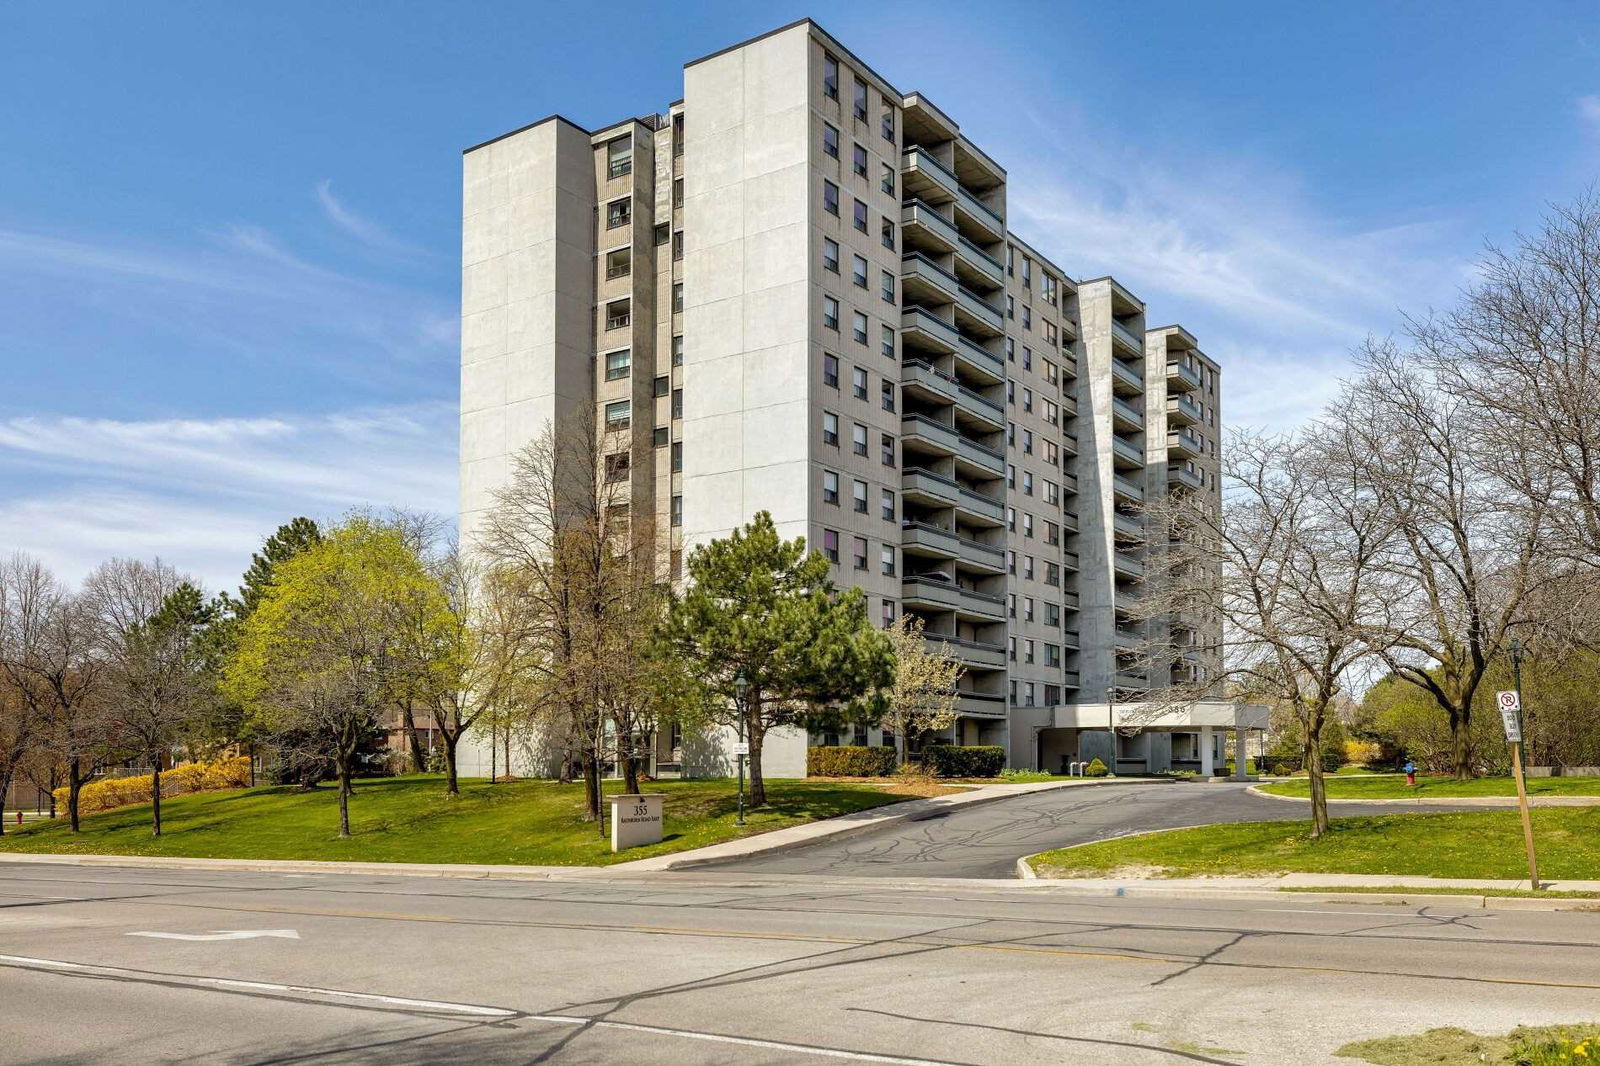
988 839
714 968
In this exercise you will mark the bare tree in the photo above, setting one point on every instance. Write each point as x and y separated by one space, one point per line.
51 651
1290 566
1467 552
564 540
923 698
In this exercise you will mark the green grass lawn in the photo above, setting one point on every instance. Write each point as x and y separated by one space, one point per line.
409 819
1395 787
1484 844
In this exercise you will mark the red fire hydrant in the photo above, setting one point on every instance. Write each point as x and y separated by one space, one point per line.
1411 774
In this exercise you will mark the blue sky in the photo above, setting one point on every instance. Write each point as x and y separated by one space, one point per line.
229 233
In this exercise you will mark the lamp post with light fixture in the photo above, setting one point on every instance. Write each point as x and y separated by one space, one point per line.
740 687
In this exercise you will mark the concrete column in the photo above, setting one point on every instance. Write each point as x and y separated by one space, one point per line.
1239 745
1207 752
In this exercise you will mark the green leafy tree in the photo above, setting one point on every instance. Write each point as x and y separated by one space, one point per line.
762 607
325 647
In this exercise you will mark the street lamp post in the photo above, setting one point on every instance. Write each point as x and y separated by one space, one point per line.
1111 729
740 687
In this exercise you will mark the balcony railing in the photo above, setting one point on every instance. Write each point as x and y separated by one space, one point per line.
1127 374
1182 409
1132 414
1181 377
1128 337
619 167
1127 487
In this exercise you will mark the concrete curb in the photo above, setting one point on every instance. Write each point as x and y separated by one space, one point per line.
849 825
1496 802
302 866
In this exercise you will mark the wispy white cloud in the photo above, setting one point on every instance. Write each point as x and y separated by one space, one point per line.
357 225
203 492
1589 111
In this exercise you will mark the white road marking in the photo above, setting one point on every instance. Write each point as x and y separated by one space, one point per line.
225 934
253 986
743 1041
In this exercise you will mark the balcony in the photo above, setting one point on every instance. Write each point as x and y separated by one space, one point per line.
1126 455
1130 340
921 328
1127 526
1126 565
1179 474
1125 380
978 314
979 460
924 281
923 486
930 594
928 435
926 382
980 704
1182 378
979 509
1126 489
1069 444
1069 561
984 557
1132 679
1069 640
926 178
990 416
929 541
1185 444
981 262
981 606
984 366
971 652
1069 679
1125 416
925 227
1182 410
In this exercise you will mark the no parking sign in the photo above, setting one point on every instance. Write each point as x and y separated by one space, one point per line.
1510 705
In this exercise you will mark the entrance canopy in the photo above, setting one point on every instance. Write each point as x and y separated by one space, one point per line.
1182 718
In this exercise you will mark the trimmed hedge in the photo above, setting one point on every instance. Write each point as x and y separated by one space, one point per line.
1096 768
109 792
955 760
849 761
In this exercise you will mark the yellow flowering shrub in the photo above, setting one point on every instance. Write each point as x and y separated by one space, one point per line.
111 792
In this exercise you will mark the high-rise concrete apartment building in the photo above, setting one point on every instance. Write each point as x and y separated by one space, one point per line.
798 292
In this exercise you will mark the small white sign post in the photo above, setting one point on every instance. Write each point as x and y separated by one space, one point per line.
635 820
1510 705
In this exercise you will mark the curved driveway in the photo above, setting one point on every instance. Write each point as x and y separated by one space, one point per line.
988 839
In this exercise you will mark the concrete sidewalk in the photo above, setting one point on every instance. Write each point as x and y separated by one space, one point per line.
1434 801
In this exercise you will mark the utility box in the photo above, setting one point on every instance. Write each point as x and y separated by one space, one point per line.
635 820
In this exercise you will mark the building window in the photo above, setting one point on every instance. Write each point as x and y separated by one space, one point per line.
830 371
677 133
830 487
858 552
1027 442
888 620
663 385
1052 533
1027 652
859 270
677 244
1027 567
618 364
1011 653
830 428
860 217
1011 605
616 466
1052 614
887 505
1027 355
619 212
677 192
830 197
830 77
619 314
619 414
1027 525
830 141
887 232
1027 399
1027 482
619 263
1027 608
677 456
858 383
677 510
1027 272
886 450
886 554
677 296
860 100
859 496
888 341
830 312
677 350
859 326
887 397
660 437
858 439
677 403
663 232
1047 288
888 121
830 254
886 287
1027 316
1052 574
859 161
887 181
1011 563
830 544
1011 306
